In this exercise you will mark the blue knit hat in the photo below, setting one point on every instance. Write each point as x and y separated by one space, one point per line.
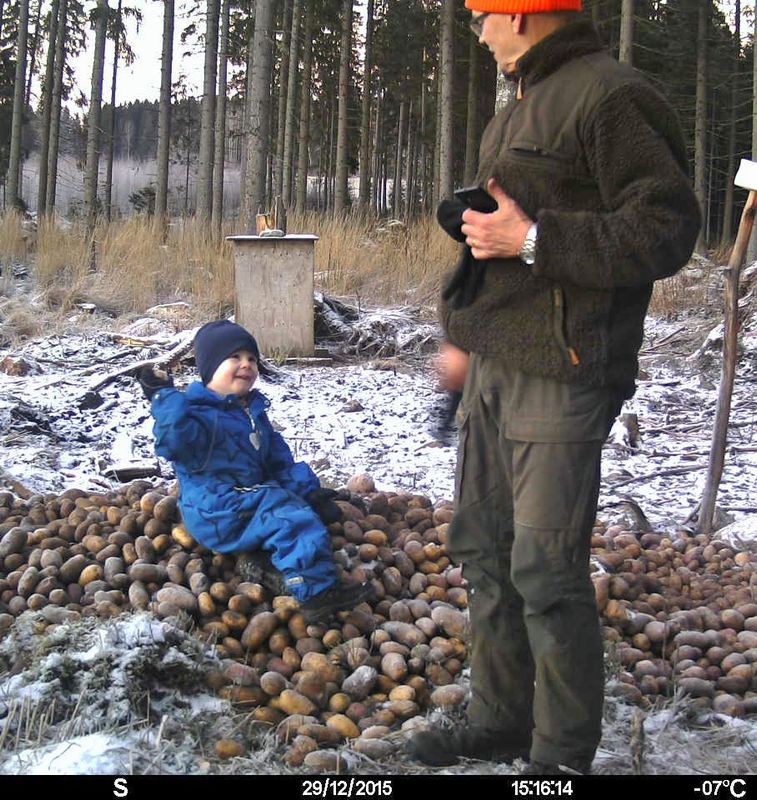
216 341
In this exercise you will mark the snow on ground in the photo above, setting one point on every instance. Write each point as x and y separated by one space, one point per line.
353 417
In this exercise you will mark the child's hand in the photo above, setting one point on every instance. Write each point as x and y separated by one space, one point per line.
322 502
152 379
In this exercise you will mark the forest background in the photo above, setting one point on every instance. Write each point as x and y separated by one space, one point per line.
350 112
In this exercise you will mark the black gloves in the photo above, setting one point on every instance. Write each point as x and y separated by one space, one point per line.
322 502
152 378
449 215
468 276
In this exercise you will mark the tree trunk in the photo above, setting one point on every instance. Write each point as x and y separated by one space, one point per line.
409 155
282 94
423 148
219 157
397 210
303 144
33 49
294 58
471 127
752 250
626 32
437 137
341 196
204 203
47 97
731 172
376 168
700 135
164 113
260 112
55 108
330 166
14 160
112 132
446 177
91 172
247 84
364 191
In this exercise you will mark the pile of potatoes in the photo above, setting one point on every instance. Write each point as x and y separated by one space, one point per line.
681 610
368 670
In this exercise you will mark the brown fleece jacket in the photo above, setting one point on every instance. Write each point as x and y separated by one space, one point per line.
595 155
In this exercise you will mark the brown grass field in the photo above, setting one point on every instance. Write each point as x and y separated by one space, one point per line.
137 266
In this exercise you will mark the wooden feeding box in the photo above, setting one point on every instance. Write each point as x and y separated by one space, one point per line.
274 291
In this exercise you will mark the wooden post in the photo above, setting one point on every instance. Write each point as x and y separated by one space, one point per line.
728 374
274 292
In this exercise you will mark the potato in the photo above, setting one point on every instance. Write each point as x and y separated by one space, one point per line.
360 683
179 596
243 696
394 666
344 726
93 572
182 536
448 696
228 748
234 621
312 686
404 633
166 510
273 683
292 702
319 663
258 629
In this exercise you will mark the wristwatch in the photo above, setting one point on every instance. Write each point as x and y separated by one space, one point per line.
527 252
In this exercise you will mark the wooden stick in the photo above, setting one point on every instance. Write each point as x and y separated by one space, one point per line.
730 358
663 473
171 357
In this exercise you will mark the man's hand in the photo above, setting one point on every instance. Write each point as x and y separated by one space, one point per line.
152 379
499 234
322 502
451 365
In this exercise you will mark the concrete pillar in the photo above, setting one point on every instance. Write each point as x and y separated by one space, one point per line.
274 292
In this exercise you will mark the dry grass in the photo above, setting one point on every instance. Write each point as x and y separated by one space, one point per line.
137 267
692 288
359 257
15 242
379 261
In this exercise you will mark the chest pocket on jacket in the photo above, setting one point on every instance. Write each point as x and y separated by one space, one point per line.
549 159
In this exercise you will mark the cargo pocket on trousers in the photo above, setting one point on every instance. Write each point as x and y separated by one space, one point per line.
463 420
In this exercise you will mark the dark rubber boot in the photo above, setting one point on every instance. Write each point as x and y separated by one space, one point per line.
338 597
442 748
257 567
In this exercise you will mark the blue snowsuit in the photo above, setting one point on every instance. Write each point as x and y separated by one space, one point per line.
240 487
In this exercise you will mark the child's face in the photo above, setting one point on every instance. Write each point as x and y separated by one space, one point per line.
235 375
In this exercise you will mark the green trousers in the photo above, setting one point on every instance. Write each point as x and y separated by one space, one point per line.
526 495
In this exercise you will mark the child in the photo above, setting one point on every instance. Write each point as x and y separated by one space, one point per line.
241 489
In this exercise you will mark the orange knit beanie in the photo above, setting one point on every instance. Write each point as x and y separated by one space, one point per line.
523 6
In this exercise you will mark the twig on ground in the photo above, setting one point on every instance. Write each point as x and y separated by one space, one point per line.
663 473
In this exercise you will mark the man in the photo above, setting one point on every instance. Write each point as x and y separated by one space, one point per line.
589 171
